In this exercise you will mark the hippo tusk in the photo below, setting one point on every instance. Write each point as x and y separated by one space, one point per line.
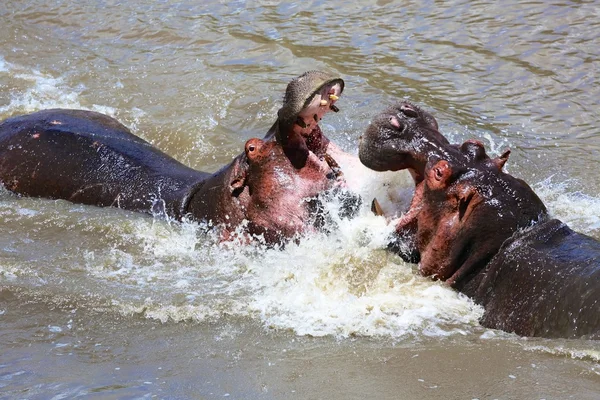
334 97
335 167
324 102
376 208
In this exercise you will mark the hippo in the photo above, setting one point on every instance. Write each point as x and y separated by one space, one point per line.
486 233
90 158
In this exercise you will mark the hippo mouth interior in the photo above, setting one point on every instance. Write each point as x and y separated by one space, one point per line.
315 107
307 99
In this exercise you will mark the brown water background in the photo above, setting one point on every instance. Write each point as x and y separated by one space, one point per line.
101 303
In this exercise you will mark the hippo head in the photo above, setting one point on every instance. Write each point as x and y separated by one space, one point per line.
464 210
273 186
263 189
307 99
403 137
281 198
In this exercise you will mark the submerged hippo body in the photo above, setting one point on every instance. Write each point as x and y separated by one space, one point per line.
487 234
90 158
542 282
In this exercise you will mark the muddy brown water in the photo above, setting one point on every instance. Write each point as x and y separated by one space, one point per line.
102 303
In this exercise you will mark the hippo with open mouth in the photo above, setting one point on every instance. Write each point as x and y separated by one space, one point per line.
90 158
485 232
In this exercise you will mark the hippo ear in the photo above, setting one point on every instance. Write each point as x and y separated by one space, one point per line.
474 150
439 175
237 184
500 161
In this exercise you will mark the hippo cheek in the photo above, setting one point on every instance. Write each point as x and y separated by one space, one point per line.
435 255
466 237
280 195
275 212
450 244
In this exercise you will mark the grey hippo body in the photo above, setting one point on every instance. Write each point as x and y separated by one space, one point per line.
486 233
90 158
544 281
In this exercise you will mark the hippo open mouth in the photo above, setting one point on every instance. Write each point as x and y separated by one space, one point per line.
274 182
307 99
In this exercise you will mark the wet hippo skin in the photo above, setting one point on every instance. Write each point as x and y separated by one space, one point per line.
487 234
542 282
90 158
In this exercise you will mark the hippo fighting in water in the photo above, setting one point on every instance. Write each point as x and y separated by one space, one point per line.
486 233
90 158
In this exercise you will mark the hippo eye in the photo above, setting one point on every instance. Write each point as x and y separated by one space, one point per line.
251 148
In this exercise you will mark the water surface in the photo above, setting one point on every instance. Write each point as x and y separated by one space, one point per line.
111 304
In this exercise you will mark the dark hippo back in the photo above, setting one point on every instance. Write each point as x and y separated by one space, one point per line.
545 282
90 158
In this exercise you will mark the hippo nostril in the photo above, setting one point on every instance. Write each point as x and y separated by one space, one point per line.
395 122
409 110
300 122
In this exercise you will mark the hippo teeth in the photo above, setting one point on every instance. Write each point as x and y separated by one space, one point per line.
334 97
324 102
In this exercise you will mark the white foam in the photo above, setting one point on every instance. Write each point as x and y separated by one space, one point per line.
565 202
43 91
343 283
4 66
591 353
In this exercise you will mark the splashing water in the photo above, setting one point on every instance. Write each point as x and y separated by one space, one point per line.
341 284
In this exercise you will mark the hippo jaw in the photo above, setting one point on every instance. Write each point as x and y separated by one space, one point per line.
402 137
